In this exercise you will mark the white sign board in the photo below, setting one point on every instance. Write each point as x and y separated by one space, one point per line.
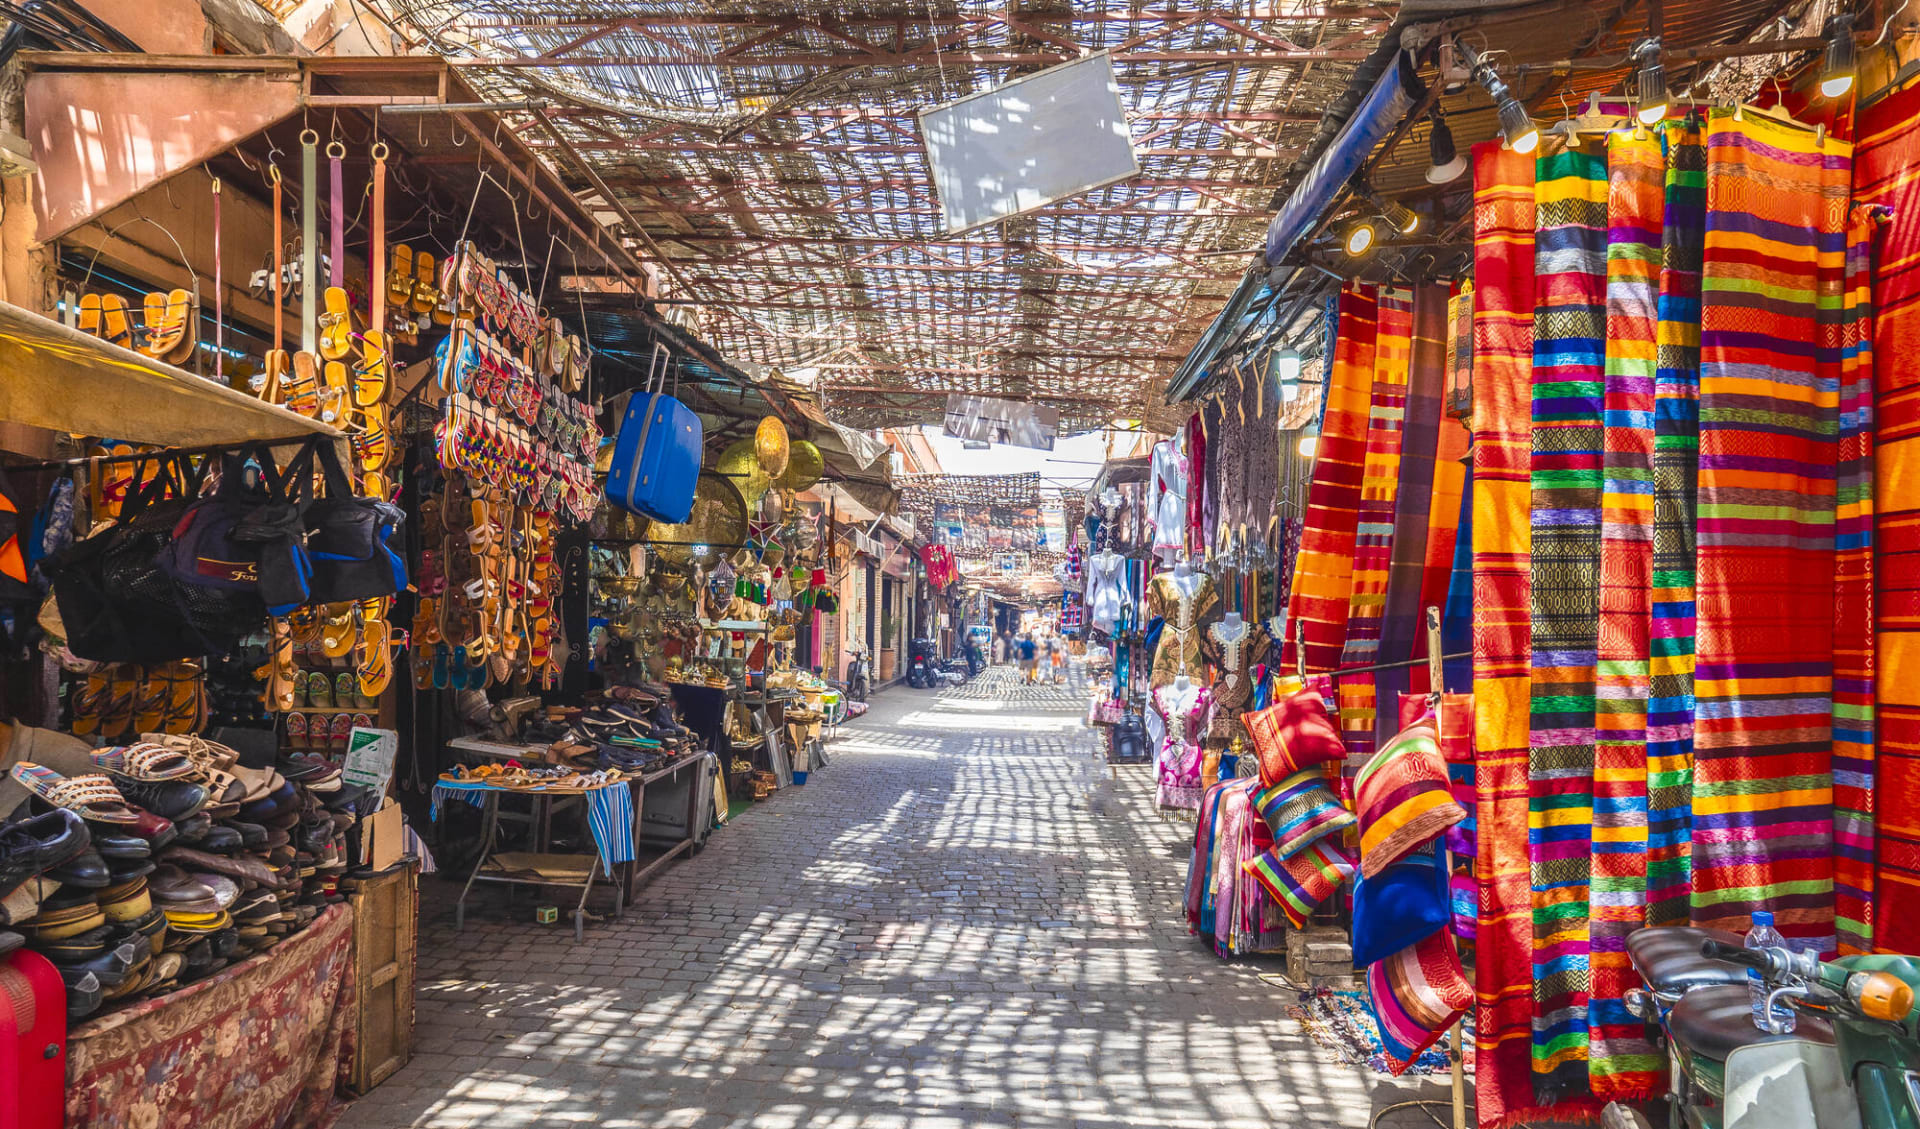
1038 139
370 755
1016 423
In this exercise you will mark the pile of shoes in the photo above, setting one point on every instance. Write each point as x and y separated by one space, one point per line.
168 864
634 729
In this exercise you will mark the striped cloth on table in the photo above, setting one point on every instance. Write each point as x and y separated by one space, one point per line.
1322 582
1403 623
609 813
1771 277
1676 465
1373 532
1622 1064
1853 658
1570 265
1888 173
1503 251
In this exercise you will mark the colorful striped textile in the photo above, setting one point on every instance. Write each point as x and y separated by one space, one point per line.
1373 532
1404 797
1570 269
1417 994
1503 249
1299 884
1456 618
1888 174
1769 412
1301 810
1402 627
1853 658
1622 1064
1676 466
1322 584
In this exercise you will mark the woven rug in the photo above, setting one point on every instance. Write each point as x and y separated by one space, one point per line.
1444 516
1888 173
1503 249
1676 463
1322 581
1622 1064
1403 623
1570 272
1373 532
1853 657
1342 1023
1769 413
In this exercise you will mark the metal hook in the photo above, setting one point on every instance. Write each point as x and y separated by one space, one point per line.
457 133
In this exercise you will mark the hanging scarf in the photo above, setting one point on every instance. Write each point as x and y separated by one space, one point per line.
1676 466
1623 1064
1570 259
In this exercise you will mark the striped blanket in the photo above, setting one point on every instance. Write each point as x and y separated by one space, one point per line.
1771 275
1322 582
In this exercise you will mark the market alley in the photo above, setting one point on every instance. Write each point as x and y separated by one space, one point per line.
959 921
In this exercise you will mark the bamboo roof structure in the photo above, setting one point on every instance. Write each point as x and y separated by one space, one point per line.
769 158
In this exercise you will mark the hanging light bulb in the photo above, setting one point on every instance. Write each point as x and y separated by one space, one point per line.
1309 446
1444 162
1360 238
1836 76
1516 125
1652 81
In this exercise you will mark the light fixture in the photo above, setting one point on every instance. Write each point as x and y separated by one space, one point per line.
1652 80
1516 125
1836 77
1360 238
1283 371
1444 162
1401 218
1309 446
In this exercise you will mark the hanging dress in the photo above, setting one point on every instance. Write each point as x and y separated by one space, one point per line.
1168 508
1182 607
1234 653
1178 768
1104 597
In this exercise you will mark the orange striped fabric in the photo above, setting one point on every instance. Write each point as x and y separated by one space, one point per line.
1323 569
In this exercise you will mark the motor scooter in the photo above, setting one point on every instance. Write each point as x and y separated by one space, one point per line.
1851 1062
920 672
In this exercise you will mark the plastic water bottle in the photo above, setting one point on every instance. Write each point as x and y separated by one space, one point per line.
1764 936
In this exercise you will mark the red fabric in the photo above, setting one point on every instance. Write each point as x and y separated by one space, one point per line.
261 1045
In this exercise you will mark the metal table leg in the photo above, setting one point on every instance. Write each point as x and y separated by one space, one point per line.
491 810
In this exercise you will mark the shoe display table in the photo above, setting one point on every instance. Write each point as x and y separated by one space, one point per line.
613 813
257 1045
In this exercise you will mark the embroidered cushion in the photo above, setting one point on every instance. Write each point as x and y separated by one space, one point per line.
1293 733
1301 883
1403 904
1417 993
1456 745
1301 809
1403 798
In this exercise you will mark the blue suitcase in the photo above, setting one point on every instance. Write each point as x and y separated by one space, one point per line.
656 455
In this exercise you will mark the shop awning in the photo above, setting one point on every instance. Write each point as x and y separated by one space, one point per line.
63 380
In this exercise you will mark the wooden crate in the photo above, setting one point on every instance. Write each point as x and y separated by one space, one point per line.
386 920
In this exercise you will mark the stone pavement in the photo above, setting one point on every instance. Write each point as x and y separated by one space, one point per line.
960 921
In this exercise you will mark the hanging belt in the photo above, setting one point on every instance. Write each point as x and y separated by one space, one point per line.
309 240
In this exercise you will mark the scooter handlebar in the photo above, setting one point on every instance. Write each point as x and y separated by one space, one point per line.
1735 954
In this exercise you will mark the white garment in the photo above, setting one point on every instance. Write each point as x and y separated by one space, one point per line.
1169 502
1105 599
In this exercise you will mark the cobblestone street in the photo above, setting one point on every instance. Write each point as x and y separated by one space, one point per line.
959 921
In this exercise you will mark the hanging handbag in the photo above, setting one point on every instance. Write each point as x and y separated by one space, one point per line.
656 456
116 602
1127 741
246 539
351 540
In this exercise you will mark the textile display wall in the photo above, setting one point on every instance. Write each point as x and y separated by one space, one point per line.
1679 540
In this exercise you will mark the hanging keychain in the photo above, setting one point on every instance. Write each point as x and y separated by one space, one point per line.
309 240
